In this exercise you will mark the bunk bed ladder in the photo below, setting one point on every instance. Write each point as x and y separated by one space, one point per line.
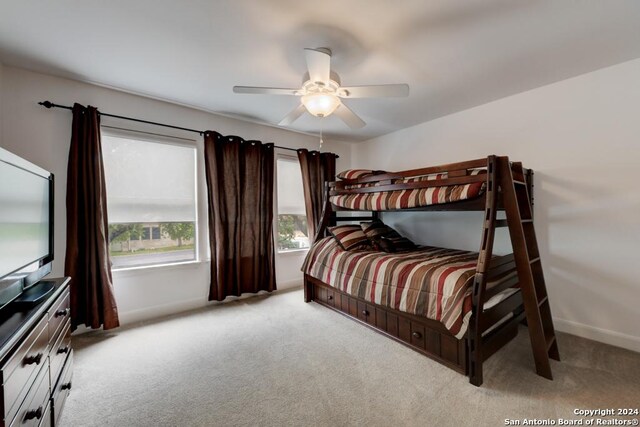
517 205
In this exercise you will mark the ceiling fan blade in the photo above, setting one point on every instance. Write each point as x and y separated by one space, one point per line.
349 117
264 90
293 115
376 91
319 65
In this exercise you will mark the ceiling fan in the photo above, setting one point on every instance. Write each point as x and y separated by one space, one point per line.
321 94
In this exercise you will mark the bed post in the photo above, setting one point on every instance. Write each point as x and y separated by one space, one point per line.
474 341
325 218
308 289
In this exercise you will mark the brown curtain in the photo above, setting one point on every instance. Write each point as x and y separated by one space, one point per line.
317 168
87 258
240 193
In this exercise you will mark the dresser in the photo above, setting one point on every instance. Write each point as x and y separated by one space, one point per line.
36 359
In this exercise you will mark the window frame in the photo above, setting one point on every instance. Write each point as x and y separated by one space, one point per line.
292 158
152 137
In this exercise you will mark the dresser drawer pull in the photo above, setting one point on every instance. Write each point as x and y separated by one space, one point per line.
62 312
66 386
64 349
417 335
30 360
365 312
330 297
34 413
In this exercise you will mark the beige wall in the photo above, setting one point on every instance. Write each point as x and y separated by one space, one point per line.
42 137
582 138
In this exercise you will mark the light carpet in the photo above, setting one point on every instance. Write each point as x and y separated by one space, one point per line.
275 361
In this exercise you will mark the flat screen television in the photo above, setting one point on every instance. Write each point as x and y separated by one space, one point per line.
26 225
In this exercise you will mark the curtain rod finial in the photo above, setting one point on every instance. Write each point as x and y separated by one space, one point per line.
46 104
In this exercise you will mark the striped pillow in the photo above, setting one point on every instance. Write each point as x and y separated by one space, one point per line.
357 173
349 236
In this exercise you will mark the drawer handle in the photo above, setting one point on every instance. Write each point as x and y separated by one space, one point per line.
417 335
62 312
66 386
365 312
330 297
33 413
30 360
64 349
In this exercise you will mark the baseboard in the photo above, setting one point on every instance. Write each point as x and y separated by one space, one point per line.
290 284
149 313
606 336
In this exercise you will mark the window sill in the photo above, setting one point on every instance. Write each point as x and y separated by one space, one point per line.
182 264
293 251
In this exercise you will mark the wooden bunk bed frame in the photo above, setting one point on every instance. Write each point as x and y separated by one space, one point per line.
508 188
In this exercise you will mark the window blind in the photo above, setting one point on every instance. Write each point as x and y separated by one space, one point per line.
149 182
290 192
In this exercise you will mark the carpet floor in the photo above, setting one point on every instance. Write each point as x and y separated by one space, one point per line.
274 360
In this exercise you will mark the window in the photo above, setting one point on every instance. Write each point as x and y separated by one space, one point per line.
292 219
151 200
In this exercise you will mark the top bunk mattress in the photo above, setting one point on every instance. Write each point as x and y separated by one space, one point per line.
411 198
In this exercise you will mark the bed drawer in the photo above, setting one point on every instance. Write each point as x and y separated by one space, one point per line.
22 367
424 335
367 312
59 313
62 388
34 408
331 297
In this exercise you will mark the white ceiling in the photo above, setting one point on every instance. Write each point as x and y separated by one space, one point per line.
453 54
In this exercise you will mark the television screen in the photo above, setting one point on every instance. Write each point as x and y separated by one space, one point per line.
24 218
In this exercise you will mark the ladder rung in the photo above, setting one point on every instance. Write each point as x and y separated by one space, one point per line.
534 260
542 301
515 181
504 223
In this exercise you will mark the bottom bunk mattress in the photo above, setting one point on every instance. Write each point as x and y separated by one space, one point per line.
432 282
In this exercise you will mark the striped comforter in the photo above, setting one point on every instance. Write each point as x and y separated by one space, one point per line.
431 282
413 198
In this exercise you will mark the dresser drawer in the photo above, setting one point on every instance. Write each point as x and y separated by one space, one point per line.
62 389
21 368
47 421
59 313
59 351
34 408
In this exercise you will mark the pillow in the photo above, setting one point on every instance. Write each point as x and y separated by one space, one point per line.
357 173
396 244
385 238
349 236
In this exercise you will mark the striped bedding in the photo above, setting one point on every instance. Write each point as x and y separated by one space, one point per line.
431 282
413 198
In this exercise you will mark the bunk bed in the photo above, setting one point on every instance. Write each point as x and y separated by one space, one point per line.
456 307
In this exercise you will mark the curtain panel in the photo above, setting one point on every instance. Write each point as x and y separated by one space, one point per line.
240 179
317 168
87 255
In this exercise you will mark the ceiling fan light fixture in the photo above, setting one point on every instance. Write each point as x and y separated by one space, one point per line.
321 104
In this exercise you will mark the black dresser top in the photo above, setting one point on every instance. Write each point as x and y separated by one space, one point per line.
16 321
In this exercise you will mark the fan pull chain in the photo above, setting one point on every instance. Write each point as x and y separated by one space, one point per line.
321 126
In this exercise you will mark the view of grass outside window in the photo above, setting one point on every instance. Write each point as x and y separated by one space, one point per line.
150 200
136 243
292 220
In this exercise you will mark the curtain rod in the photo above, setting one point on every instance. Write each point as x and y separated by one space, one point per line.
49 104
